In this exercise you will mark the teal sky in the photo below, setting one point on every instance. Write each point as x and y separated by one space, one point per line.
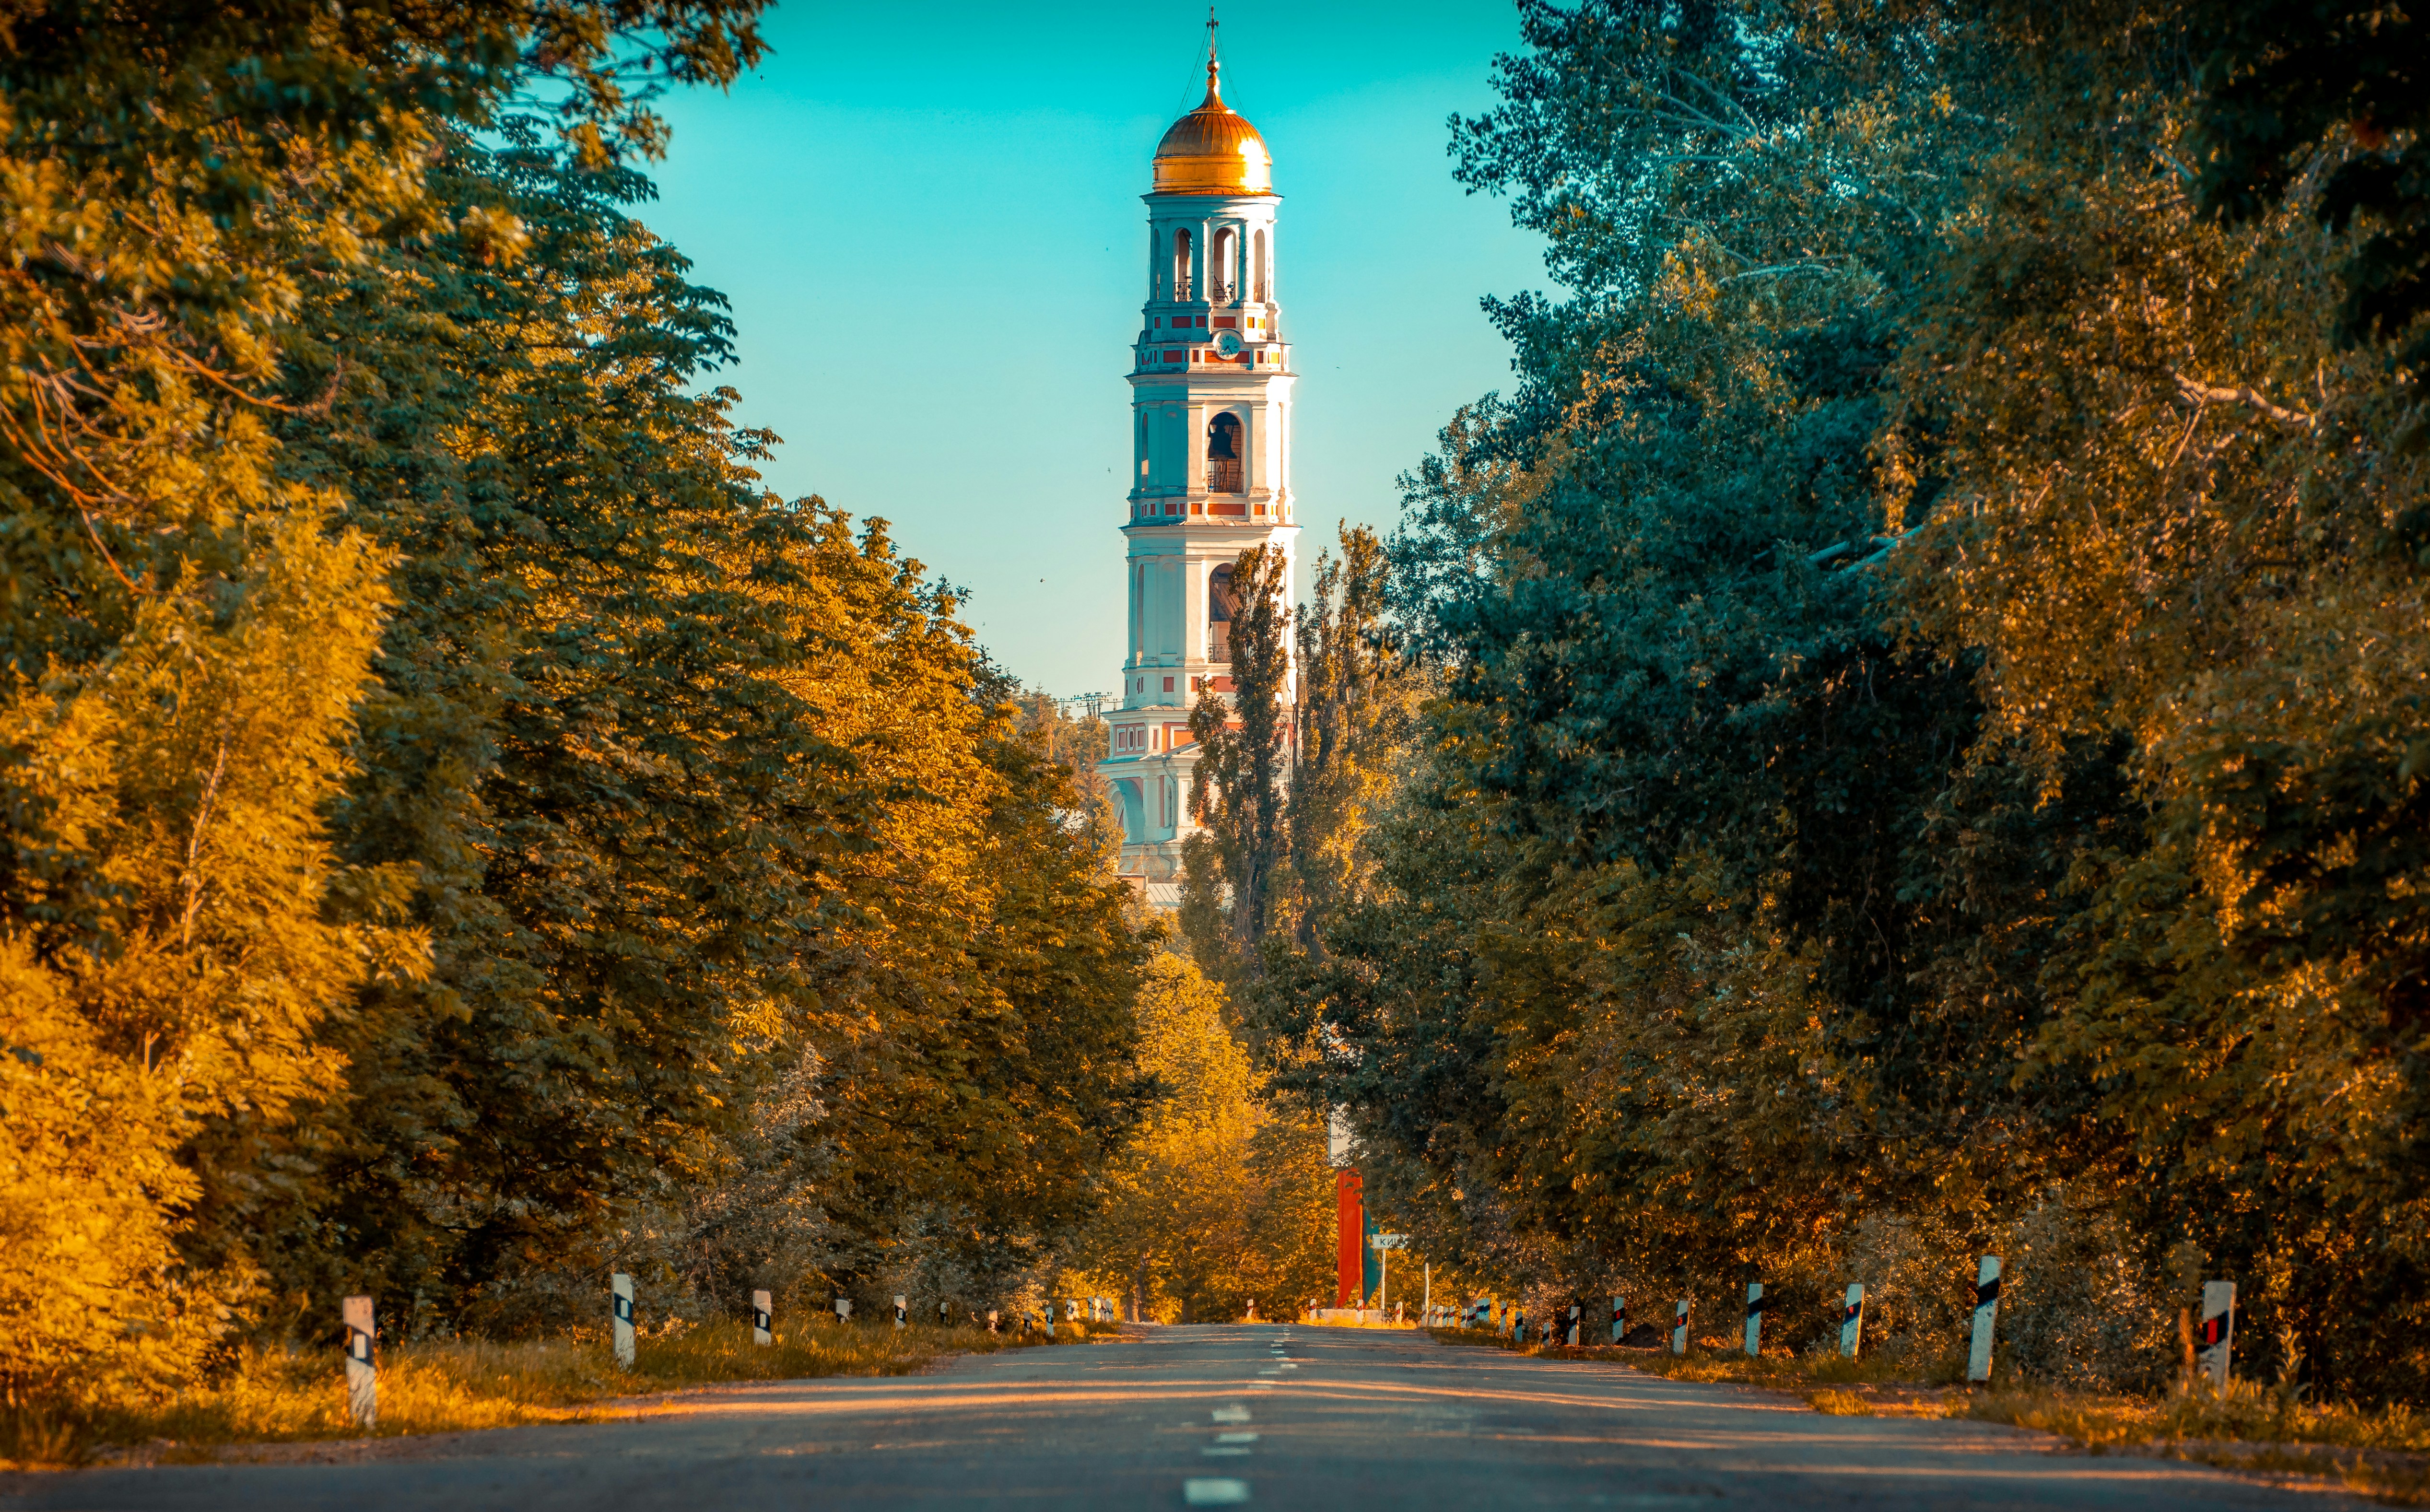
928 220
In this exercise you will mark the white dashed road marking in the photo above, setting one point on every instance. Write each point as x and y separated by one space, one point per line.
1214 1493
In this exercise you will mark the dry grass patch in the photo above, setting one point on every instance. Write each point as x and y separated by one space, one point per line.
1712 1361
2382 1453
449 1385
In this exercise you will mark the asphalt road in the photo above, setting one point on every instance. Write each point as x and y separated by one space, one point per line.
1272 1416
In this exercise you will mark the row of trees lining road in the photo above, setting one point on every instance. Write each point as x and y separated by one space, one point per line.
1926 693
461 834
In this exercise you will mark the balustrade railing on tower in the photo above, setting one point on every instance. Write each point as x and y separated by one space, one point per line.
1181 289
1223 475
1219 293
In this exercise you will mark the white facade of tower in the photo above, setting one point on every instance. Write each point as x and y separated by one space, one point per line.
1210 470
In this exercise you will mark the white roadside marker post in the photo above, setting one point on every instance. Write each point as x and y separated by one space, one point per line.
1619 1319
620 1302
944 1320
2218 1329
1577 1324
902 1313
1987 1314
1755 1318
992 1320
763 1318
362 1370
843 1310
1852 1321
1679 1330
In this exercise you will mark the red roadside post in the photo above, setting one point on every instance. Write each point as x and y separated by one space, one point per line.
1350 1260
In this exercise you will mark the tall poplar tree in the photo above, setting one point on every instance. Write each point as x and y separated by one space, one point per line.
1236 787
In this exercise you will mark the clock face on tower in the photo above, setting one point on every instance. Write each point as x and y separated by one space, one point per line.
1228 342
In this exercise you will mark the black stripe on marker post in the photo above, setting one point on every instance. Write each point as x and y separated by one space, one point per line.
1754 1306
1986 1292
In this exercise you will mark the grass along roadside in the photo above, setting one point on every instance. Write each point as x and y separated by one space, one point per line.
442 1386
1711 1361
2382 1453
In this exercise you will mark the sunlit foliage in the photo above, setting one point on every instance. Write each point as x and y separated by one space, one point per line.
1226 1197
462 833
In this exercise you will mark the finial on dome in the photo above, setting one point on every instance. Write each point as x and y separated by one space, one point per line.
1211 150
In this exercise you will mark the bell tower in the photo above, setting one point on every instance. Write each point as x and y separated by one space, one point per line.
1210 470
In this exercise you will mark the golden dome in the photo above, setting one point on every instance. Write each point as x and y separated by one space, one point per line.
1213 150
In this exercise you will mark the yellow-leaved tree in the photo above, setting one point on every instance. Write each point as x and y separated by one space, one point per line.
1225 1197
178 957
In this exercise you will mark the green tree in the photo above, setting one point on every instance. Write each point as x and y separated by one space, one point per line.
1236 789
1660 939
1930 702
187 626
711 801
1351 729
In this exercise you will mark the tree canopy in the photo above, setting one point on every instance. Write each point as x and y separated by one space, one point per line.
464 834
1928 655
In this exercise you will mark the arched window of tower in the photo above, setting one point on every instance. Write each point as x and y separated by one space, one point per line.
1223 454
1155 273
1264 275
1220 604
1219 268
1181 264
